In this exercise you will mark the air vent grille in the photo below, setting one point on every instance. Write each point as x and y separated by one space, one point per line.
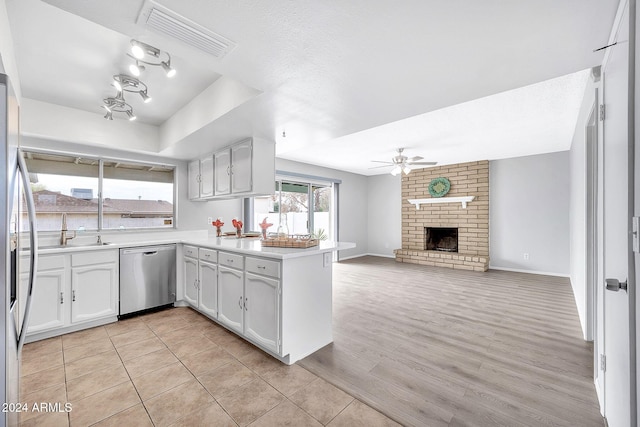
171 24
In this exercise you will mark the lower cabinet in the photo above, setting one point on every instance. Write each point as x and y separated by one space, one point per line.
72 289
201 280
243 291
231 298
262 311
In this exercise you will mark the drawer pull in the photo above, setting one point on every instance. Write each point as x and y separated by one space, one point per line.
262 267
229 260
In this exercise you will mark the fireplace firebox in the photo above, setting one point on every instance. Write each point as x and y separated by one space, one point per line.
441 239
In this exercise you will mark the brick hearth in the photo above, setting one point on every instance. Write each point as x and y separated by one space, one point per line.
467 179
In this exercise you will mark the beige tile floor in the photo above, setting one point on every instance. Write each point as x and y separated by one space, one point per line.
176 368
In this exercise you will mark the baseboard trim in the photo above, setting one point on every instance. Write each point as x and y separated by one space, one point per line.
518 270
367 254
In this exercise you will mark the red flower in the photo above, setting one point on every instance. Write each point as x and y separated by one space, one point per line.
237 224
217 223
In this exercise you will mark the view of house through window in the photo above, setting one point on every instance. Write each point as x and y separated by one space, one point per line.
303 208
134 195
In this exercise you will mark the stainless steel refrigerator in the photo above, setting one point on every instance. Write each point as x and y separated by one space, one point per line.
18 252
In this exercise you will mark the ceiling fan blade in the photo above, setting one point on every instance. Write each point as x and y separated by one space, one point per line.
415 159
422 163
380 161
377 167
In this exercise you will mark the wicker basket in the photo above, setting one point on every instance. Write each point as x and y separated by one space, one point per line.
290 242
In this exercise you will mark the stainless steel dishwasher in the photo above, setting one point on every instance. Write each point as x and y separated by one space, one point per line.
147 277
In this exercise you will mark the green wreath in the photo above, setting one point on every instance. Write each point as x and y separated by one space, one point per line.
438 187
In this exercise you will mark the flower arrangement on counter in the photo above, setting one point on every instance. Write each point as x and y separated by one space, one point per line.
264 225
218 225
238 225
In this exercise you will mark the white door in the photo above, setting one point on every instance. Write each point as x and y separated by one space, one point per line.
241 158
222 171
93 292
208 274
191 281
262 314
194 179
230 298
617 384
49 301
206 176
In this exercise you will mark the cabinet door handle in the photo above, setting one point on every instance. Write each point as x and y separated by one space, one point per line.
246 306
240 302
228 170
231 169
61 297
73 295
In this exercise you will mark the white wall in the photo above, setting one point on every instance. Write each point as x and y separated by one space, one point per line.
384 203
7 56
578 208
529 213
353 215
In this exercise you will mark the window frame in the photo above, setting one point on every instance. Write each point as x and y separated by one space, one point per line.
101 161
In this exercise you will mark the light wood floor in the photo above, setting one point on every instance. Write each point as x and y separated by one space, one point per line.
438 347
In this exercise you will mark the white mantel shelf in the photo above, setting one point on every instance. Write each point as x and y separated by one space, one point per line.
464 200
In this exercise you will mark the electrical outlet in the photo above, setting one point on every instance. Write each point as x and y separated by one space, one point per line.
526 256
209 221
326 259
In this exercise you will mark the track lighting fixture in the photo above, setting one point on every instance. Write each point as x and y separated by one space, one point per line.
145 54
117 104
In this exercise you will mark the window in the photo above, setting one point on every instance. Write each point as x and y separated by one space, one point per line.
303 207
134 195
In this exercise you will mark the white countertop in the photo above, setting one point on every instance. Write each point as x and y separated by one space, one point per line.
246 246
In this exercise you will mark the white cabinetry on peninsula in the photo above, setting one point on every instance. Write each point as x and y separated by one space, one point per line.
246 168
74 291
279 299
201 279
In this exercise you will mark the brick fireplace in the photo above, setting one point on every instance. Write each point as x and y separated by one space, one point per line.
447 234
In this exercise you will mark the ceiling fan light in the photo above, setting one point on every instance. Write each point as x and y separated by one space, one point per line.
396 170
406 169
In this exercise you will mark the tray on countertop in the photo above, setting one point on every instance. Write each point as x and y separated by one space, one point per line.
290 242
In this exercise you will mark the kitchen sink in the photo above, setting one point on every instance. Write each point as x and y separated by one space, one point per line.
89 245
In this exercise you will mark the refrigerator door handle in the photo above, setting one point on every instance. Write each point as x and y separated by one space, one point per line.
31 210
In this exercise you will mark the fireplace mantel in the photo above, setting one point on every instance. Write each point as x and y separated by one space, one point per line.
464 200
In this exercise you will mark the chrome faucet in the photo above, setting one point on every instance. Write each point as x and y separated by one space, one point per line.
64 238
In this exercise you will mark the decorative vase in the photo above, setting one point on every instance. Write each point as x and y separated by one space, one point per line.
218 231
264 234
238 232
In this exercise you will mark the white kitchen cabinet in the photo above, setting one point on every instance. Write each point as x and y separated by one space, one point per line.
94 285
194 179
191 281
48 300
262 311
201 178
231 298
245 168
74 291
201 279
222 161
208 288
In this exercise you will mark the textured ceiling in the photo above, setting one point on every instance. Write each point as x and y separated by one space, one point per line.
349 82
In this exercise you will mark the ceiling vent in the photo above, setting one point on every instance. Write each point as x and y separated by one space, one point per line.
165 21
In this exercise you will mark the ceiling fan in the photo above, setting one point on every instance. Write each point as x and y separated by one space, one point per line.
401 163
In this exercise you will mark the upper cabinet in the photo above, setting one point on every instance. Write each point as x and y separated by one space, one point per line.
244 169
201 178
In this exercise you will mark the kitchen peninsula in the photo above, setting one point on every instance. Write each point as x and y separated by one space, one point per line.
279 299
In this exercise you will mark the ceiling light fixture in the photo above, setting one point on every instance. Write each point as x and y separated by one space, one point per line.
123 82
149 55
117 104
